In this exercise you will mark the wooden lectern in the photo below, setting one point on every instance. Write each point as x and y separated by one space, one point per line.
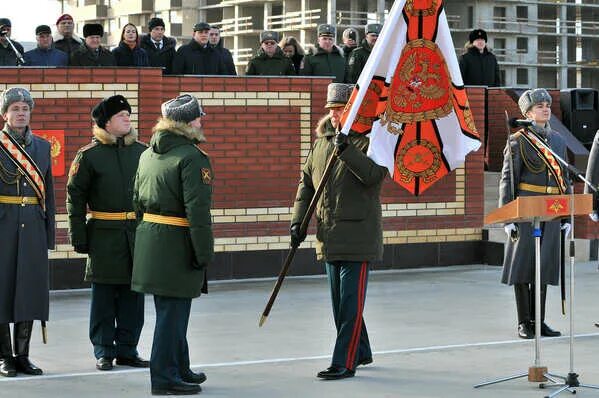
536 209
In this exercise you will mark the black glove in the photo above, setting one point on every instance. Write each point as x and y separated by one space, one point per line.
341 141
296 238
82 249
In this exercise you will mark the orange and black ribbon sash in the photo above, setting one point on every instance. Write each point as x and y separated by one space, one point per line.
547 157
26 165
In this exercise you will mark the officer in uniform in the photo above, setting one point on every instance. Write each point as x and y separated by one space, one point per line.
359 56
350 233
270 60
592 175
101 179
174 243
27 229
535 172
327 60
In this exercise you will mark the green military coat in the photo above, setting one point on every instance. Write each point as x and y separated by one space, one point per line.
263 65
322 63
101 179
357 61
174 179
348 213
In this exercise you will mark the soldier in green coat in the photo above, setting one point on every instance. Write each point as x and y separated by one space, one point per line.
174 243
270 60
349 232
327 60
359 56
101 179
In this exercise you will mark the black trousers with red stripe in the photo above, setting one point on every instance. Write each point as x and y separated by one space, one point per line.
348 281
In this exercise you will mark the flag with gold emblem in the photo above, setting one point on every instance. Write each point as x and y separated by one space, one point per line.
410 98
57 148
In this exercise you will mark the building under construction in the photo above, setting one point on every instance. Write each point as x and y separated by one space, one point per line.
543 43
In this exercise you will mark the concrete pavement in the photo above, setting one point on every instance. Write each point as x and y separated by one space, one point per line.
434 332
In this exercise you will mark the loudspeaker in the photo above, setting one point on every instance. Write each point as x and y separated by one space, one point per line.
580 112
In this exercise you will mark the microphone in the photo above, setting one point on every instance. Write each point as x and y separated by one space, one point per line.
520 122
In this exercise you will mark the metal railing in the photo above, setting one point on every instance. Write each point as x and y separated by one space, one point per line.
234 26
293 20
241 56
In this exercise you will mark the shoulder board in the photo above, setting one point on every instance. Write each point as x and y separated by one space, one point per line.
142 143
88 146
201 150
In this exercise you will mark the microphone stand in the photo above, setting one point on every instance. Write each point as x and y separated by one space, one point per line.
20 60
570 382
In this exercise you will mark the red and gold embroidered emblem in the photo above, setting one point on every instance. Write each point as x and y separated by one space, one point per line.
206 176
421 88
425 8
56 140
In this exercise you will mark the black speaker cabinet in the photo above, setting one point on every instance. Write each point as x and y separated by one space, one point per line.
580 112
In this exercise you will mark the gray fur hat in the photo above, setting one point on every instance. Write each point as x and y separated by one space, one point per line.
269 35
12 95
185 108
532 97
338 94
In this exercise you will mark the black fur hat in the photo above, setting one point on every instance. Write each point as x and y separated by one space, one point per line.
109 107
93 29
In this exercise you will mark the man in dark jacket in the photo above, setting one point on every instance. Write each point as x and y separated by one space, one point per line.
7 53
198 57
45 54
350 233
101 179
160 48
92 53
65 39
350 42
528 171
174 242
216 41
328 59
478 65
360 55
27 227
270 60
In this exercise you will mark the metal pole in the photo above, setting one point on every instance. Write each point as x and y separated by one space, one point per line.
537 235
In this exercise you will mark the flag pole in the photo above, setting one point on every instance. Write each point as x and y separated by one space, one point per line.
302 231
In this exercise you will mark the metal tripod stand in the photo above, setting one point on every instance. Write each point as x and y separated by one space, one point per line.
570 382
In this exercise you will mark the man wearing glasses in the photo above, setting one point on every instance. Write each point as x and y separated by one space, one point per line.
270 60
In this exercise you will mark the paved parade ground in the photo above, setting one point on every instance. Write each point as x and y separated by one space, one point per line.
434 333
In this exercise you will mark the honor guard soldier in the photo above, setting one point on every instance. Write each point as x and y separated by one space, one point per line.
174 243
101 179
350 233
270 60
359 56
27 229
528 170
327 59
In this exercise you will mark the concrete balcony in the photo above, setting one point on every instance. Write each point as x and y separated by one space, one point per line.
165 5
91 12
128 7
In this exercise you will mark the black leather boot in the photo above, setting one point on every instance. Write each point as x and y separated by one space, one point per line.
22 337
525 326
546 331
7 361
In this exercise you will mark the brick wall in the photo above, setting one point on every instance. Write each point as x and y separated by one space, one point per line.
259 132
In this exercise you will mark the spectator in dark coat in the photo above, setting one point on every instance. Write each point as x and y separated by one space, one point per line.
478 65
350 43
7 54
270 60
45 54
128 52
294 50
91 53
66 40
198 57
160 49
215 41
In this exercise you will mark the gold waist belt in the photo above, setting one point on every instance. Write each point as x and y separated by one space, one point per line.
19 200
120 216
538 188
168 220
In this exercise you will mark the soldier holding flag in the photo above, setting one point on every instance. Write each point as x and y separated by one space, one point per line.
27 228
349 231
